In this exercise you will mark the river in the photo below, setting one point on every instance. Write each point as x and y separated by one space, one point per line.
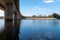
31 29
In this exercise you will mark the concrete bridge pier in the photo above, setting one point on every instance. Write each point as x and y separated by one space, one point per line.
9 11
15 15
18 17
11 7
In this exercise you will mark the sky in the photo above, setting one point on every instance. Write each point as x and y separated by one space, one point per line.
37 7
1 13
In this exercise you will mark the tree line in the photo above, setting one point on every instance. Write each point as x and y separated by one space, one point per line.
54 15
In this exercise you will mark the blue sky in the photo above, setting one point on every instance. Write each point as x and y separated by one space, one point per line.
1 13
37 7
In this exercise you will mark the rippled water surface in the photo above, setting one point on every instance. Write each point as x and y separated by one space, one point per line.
40 30
30 30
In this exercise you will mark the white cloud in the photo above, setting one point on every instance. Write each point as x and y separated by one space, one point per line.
38 10
49 1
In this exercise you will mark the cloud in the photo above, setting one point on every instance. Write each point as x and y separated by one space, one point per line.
38 10
49 1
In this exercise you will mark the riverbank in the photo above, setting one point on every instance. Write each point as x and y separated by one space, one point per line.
40 18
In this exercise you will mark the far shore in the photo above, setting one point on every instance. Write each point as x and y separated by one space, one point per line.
40 18
37 18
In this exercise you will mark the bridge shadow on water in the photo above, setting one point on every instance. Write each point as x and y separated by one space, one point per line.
11 30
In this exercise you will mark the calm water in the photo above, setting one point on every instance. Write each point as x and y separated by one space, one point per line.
31 29
1 24
40 30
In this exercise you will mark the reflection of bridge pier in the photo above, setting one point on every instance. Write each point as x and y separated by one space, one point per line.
11 30
16 29
8 30
11 9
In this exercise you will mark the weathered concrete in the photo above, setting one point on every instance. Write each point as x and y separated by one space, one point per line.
15 15
9 11
10 7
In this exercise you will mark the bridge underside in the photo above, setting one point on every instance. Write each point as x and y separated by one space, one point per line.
11 9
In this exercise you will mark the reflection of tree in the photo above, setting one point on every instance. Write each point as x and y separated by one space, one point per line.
11 30
54 22
34 22
37 22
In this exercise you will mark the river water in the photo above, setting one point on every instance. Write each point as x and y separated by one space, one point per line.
31 29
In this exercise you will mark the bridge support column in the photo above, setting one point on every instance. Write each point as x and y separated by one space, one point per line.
15 15
18 17
9 11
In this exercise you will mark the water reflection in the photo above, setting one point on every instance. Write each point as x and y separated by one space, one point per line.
11 30
40 30
30 30
1 25
16 29
55 23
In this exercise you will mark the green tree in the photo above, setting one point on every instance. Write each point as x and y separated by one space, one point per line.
55 15
50 16
44 16
40 16
34 16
